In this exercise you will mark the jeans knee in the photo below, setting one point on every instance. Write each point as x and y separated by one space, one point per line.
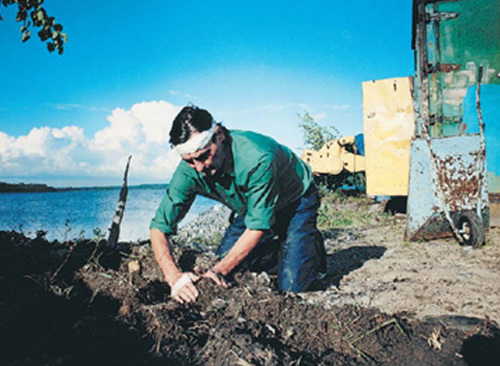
295 280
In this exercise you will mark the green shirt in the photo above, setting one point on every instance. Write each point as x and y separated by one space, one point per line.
266 176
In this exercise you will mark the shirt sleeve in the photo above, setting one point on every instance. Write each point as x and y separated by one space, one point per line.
262 194
176 203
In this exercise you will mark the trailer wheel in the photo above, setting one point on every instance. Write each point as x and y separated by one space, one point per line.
471 229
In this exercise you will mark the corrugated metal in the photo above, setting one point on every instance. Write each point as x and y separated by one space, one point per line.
389 123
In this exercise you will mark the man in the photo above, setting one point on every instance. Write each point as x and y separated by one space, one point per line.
264 183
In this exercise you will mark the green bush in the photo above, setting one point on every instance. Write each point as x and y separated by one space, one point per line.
315 135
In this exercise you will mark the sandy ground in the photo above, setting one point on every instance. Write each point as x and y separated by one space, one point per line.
375 267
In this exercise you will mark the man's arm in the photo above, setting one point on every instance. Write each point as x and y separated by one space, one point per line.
163 256
243 246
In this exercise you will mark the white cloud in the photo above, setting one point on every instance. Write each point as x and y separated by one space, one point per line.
42 150
66 107
123 130
338 106
142 131
319 116
302 106
274 107
69 107
155 119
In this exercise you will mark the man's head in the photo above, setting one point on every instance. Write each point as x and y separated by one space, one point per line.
198 139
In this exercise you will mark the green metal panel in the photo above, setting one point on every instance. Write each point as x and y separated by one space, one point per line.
473 36
461 37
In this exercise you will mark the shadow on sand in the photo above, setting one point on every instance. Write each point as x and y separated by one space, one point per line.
344 261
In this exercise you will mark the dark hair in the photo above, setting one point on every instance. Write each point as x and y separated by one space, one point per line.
189 120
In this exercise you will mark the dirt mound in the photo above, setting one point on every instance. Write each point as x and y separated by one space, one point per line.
81 304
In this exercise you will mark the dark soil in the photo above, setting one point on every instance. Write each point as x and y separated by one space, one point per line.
81 304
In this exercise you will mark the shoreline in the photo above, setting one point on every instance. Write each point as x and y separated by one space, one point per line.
44 188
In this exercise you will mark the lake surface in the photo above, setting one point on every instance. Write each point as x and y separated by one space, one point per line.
72 214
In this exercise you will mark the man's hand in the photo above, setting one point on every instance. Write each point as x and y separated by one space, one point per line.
215 276
184 290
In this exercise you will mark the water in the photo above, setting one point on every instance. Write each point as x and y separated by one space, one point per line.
76 214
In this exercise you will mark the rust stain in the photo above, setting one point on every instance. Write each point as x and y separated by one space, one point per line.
459 182
434 228
450 67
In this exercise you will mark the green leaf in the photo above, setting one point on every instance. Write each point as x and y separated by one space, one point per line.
40 15
34 18
44 34
64 37
21 15
26 36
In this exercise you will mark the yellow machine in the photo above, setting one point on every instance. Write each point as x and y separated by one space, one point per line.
335 156
389 123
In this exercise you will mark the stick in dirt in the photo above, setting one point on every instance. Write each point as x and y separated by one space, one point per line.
114 231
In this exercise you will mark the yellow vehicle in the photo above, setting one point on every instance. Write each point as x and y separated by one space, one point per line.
335 156
383 151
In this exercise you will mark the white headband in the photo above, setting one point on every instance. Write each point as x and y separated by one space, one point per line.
196 142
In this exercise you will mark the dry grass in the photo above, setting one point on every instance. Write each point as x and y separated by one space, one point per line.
340 211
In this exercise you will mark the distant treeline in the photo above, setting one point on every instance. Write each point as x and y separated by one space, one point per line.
23 187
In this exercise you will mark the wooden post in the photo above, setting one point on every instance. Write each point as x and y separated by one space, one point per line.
114 231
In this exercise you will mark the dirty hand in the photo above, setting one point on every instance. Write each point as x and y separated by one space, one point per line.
215 276
184 290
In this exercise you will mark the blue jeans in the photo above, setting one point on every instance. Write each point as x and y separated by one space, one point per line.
294 245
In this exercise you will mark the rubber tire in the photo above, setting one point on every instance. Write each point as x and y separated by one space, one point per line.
471 229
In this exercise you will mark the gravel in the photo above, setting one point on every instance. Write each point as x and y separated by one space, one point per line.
206 230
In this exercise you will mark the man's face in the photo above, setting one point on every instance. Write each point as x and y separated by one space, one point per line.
210 159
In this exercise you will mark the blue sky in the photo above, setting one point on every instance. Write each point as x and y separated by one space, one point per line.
128 66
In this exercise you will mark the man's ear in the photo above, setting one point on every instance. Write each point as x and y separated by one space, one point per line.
220 136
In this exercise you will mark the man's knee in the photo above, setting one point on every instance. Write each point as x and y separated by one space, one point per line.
301 263
296 278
